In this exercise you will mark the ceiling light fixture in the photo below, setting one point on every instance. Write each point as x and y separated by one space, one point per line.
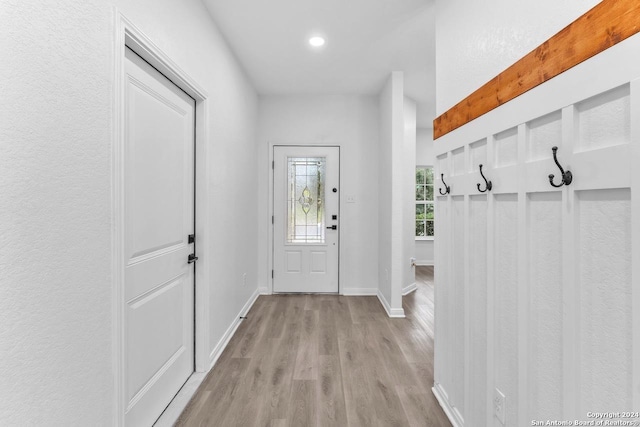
316 41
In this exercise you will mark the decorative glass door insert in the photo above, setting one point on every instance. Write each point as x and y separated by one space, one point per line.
305 201
306 209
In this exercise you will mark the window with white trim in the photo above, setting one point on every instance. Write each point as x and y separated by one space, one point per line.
424 201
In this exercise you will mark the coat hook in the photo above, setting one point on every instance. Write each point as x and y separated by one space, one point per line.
448 189
487 184
567 176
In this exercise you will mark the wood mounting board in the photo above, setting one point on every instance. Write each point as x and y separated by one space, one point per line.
605 25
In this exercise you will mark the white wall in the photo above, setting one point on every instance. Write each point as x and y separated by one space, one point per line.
55 234
350 122
409 195
424 157
385 190
510 307
56 66
511 314
475 41
392 201
424 147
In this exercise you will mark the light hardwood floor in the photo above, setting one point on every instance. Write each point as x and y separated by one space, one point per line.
325 360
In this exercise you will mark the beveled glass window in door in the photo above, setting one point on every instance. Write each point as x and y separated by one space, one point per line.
305 200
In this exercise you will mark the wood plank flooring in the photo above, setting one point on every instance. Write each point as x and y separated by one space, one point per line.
325 360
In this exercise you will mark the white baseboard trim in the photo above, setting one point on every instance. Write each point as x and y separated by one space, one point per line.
451 412
180 402
222 344
391 312
408 289
264 291
423 263
360 292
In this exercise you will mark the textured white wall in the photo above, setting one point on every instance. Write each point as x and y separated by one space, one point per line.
385 189
552 329
391 195
424 157
424 147
505 315
475 41
545 307
352 123
606 337
407 177
477 311
56 69
55 242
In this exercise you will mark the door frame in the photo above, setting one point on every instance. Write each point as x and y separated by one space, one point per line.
271 211
128 35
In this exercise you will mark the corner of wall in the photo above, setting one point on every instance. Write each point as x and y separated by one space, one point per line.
391 210
452 413
391 312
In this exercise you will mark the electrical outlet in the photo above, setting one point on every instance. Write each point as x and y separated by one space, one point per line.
499 406
244 279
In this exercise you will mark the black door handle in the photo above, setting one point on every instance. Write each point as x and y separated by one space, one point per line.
192 258
333 227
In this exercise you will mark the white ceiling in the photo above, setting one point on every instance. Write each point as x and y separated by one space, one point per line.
366 41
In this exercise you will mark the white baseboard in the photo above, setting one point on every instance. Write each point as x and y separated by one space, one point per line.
391 312
180 402
360 292
222 344
424 263
408 289
264 291
451 412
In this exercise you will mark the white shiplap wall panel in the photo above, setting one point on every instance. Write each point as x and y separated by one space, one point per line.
550 292
545 304
477 311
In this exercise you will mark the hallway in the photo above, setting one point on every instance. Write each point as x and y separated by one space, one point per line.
304 360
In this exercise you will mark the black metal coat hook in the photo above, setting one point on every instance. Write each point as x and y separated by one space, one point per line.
567 176
448 189
487 184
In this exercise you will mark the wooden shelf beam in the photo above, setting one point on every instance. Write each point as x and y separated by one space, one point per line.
607 24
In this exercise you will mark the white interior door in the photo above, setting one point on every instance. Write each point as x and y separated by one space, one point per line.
306 218
159 217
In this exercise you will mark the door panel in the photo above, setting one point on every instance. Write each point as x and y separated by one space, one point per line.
306 245
159 283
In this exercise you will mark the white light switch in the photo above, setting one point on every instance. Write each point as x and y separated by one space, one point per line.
351 199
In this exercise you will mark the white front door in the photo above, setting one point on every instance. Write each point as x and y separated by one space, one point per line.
306 217
159 217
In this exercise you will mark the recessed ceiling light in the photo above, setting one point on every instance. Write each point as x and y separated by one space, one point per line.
316 41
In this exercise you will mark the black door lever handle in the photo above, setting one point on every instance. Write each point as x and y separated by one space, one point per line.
192 258
333 227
